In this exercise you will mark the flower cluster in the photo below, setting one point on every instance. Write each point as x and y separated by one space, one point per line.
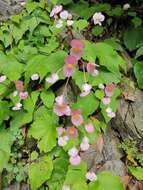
61 16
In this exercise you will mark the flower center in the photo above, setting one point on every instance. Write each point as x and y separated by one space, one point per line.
76 49
70 66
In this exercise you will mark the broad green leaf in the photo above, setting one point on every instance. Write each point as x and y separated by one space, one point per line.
40 172
44 130
83 104
137 172
47 98
106 180
138 70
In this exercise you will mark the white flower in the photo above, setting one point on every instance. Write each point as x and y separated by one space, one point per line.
126 6
64 15
53 78
73 152
59 24
98 18
65 187
57 9
70 22
2 78
35 76
91 176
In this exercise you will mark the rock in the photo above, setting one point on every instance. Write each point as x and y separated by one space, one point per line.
129 119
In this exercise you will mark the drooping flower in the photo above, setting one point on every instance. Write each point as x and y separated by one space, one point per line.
64 15
109 89
23 95
73 152
110 112
98 18
86 88
76 48
2 78
62 141
53 78
57 9
65 187
19 85
91 176
35 76
106 100
59 23
89 128
126 6
84 144
69 67
72 132
70 22
60 107
60 130
75 160
18 106
76 117
91 69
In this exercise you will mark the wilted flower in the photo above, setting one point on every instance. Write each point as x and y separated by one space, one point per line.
65 187
89 128
71 132
57 9
53 78
110 113
59 23
69 67
23 95
70 22
126 6
91 69
60 130
35 76
2 78
106 100
64 15
76 117
109 89
18 106
86 88
73 152
60 107
62 141
75 160
77 48
98 18
91 176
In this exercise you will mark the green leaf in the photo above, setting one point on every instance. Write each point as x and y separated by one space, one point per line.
40 172
133 37
97 30
83 104
106 180
44 130
47 98
137 172
80 24
138 70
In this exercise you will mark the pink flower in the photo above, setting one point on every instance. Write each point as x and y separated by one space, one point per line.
91 176
35 76
89 128
73 152
106 100
57 9
91 69
62 141
60 130
52 79
60 107
77 48
69 67
23 95
86 88
84 146
71 132
75 160
109 89
2 78
76 117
